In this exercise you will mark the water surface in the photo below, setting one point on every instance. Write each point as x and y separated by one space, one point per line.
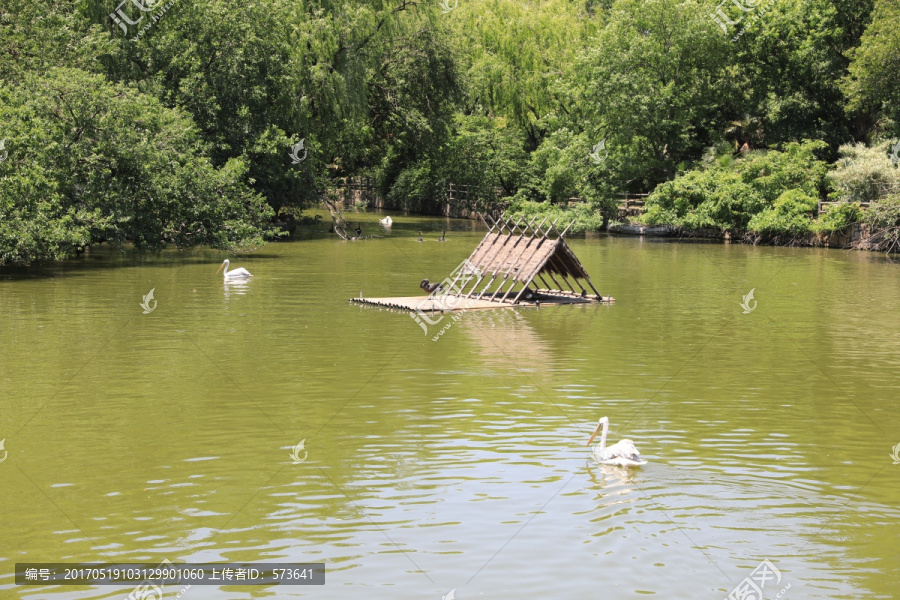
459 463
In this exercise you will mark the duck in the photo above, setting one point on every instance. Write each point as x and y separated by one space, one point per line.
443 231
429 287
358 230
420 238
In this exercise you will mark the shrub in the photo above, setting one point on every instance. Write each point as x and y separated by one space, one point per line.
586 215
837 218
778 187
789 215
884 219
864 174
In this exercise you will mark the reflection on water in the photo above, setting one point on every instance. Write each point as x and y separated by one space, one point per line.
613 484
459 463
236 287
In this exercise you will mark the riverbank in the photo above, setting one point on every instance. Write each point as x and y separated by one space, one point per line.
855 237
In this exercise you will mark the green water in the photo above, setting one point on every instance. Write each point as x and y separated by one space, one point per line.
459 463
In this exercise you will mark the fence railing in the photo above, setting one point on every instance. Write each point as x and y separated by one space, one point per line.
360 189
463 192
632 205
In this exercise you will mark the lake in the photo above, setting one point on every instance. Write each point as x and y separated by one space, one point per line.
458 464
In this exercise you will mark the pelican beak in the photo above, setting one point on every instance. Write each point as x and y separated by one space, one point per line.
220 267
593 435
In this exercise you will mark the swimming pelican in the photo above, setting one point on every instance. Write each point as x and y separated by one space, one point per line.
623 453
387 221
239 273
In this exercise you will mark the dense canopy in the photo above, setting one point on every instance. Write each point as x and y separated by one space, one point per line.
154 123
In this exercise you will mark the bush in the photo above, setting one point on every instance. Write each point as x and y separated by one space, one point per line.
730 195
884 219
864 174
789 215
586 215
837 218
417 188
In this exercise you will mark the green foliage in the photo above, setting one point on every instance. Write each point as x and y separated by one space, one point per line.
790 214
787 69
837 218
586 216
883 218
773 187
871 83
865 174
91 162
40 34
517 56
418 188
508 94
654 78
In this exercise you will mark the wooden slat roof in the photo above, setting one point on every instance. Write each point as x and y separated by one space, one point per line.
515 253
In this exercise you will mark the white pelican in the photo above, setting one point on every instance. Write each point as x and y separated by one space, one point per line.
387 221
623 453
239 273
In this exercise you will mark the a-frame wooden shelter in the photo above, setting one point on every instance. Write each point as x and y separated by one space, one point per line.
515 260
514 264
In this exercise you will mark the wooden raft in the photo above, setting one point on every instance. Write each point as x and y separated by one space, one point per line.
517 263
440 304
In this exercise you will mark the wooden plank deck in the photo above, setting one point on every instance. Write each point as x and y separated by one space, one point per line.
451 304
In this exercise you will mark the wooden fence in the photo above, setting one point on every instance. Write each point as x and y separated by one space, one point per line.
469 201
360 189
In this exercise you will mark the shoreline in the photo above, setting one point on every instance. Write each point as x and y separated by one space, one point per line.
854 237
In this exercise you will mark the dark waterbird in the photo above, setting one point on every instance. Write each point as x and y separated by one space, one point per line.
428 286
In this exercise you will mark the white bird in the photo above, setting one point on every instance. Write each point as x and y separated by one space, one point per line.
623 453
239 273
387 221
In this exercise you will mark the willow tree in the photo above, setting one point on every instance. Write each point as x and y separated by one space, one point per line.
518 56
258 79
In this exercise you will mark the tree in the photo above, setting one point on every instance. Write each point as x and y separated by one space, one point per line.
91 162
871 83
787 68
654 76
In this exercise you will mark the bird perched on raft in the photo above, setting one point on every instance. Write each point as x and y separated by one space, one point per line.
239 273
428 286
623 453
